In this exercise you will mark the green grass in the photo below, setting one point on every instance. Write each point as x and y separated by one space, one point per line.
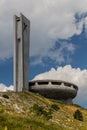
19 112
26 123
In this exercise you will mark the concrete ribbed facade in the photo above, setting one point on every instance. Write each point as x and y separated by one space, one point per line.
54 89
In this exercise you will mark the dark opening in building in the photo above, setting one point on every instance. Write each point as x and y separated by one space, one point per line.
67 84
56 83
31 84
75 87
42 83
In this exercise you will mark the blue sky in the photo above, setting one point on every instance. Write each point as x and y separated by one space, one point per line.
78 60
58 39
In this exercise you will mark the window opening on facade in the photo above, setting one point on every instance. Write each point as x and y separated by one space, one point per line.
31 83
42 83
56 83
67 84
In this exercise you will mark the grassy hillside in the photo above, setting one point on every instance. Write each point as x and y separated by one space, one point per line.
27 111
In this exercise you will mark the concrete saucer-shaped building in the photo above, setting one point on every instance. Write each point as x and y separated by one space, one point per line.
54 89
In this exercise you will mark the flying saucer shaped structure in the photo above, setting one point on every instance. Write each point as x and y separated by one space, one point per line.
54 89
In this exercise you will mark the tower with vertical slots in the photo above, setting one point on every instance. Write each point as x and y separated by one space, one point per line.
21 52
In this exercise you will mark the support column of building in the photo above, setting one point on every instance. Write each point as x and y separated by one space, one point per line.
21 52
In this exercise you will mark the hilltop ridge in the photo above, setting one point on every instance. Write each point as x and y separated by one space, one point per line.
28 111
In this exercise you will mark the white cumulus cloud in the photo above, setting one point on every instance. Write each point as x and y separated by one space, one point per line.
70 74
4 88
50 20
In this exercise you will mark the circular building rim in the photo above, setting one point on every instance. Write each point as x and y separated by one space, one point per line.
52 82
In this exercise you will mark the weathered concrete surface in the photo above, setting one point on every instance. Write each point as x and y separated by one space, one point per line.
21 52
54 89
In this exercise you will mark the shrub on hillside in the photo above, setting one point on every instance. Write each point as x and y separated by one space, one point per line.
6 96
78 115
55 107
40 110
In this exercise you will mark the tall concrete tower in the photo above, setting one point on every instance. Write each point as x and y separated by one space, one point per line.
21 52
